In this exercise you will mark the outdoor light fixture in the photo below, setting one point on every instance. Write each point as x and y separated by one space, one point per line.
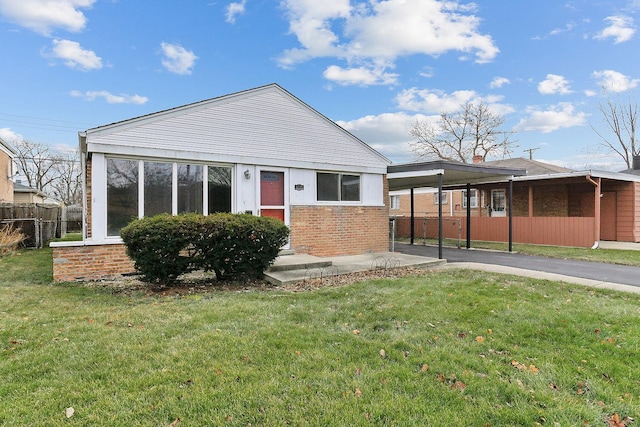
247 174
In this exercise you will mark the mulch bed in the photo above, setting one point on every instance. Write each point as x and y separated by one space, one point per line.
199 282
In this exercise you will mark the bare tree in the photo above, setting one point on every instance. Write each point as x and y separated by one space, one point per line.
621 121
460 136
36 162
67 185
54 173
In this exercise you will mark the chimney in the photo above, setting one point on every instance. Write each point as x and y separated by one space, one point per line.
636 163
478 159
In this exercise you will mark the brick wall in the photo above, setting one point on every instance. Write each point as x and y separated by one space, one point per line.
339 230
424 204
91 262
6 185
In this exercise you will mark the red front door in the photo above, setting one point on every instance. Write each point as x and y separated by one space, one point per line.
272 194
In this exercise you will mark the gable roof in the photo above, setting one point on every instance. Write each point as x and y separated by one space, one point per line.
4 146
533 167
266 125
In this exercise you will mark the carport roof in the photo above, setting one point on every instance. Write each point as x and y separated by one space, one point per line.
425 174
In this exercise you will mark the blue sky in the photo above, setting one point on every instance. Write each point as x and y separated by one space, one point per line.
372 66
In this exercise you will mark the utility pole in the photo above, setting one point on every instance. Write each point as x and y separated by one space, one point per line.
530 151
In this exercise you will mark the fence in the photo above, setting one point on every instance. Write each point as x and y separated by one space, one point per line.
556 231
38 222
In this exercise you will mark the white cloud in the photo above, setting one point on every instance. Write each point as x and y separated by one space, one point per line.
554 84
499 82
380 32
562 115
430 101
110 98
387 133
359 76
10 136
75 56
177 59
613 81
620 28
433 101
235 9
43 16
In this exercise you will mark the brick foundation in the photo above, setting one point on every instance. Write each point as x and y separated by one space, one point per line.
90 262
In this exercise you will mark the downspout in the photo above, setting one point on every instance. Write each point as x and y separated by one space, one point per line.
82 145
596 225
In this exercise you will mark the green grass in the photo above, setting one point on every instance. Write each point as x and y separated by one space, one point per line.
462 348
70 237
610 256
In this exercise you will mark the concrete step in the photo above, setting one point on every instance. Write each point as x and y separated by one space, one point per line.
297 268
298 262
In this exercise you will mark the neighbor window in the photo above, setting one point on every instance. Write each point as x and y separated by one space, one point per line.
395 202
122 194
474 199
338 187
436 200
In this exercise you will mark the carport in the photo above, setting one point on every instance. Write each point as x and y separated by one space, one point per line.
451 175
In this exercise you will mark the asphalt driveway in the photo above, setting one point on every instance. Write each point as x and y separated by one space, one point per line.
621 274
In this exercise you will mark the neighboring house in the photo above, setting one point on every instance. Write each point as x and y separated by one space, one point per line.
557 206
261 151
7 172
25 194
454 202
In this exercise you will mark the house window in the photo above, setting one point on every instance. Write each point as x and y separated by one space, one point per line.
122 194
190 188
161 181
157 188
474 199
219 189
444 198
338 187
395 202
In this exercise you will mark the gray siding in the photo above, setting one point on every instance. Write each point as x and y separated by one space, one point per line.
266 123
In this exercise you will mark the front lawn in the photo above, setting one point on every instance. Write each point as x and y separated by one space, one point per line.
461 348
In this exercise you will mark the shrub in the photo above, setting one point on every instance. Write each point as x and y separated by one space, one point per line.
156 245
10 239
234 246
238 245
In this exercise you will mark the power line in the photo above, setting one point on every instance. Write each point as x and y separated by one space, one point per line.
52 125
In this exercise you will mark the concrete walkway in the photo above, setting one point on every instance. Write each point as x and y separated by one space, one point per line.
295 268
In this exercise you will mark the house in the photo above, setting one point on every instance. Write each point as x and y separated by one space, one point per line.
261 151
454 202
555 206
7 172
25 194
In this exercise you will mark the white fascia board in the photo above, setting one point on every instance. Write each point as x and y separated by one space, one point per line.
421 190
175 155
414 174
594 174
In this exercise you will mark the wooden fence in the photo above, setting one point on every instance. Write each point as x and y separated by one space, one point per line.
556 231
39 222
